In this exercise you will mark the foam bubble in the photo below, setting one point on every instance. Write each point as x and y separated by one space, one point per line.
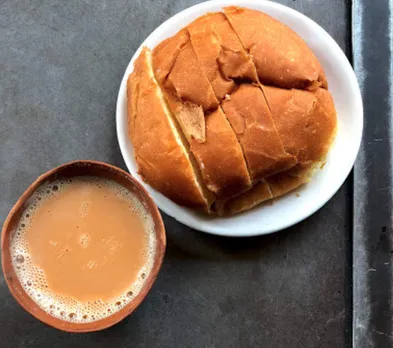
33 278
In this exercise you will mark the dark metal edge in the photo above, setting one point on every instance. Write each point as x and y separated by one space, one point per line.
373 181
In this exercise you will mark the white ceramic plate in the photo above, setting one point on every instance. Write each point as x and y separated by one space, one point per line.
296 206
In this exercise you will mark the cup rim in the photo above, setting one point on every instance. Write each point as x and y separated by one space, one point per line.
13 281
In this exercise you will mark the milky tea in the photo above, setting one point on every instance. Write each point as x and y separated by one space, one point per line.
83 248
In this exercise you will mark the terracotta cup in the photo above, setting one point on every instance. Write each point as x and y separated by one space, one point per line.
80 168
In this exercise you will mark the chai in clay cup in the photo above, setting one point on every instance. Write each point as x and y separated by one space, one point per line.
73 169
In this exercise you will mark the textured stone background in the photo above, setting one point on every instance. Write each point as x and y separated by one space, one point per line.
61 63
373 194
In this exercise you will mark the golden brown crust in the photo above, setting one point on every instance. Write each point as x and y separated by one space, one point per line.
272 187
249 115
287 181
326 115
187 90
189 81
213 142
234 61
165 54
256 195
281 57
132 98
220 53
305 120
162 159
207 48
220 157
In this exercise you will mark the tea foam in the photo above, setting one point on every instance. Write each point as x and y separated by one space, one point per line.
33 280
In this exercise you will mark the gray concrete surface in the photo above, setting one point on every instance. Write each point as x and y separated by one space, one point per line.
60 65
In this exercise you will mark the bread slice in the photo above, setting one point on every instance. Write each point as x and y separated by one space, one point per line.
165 54
307 124
220 53
284 182
192 101
189 81
249 115
177 70
187 90
258 194
234 62
220 157
306 121
281 57
163 159
267 189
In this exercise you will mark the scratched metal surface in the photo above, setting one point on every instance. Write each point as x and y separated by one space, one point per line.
373 189
61 63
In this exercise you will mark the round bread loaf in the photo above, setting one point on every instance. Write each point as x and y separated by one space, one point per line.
231 111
